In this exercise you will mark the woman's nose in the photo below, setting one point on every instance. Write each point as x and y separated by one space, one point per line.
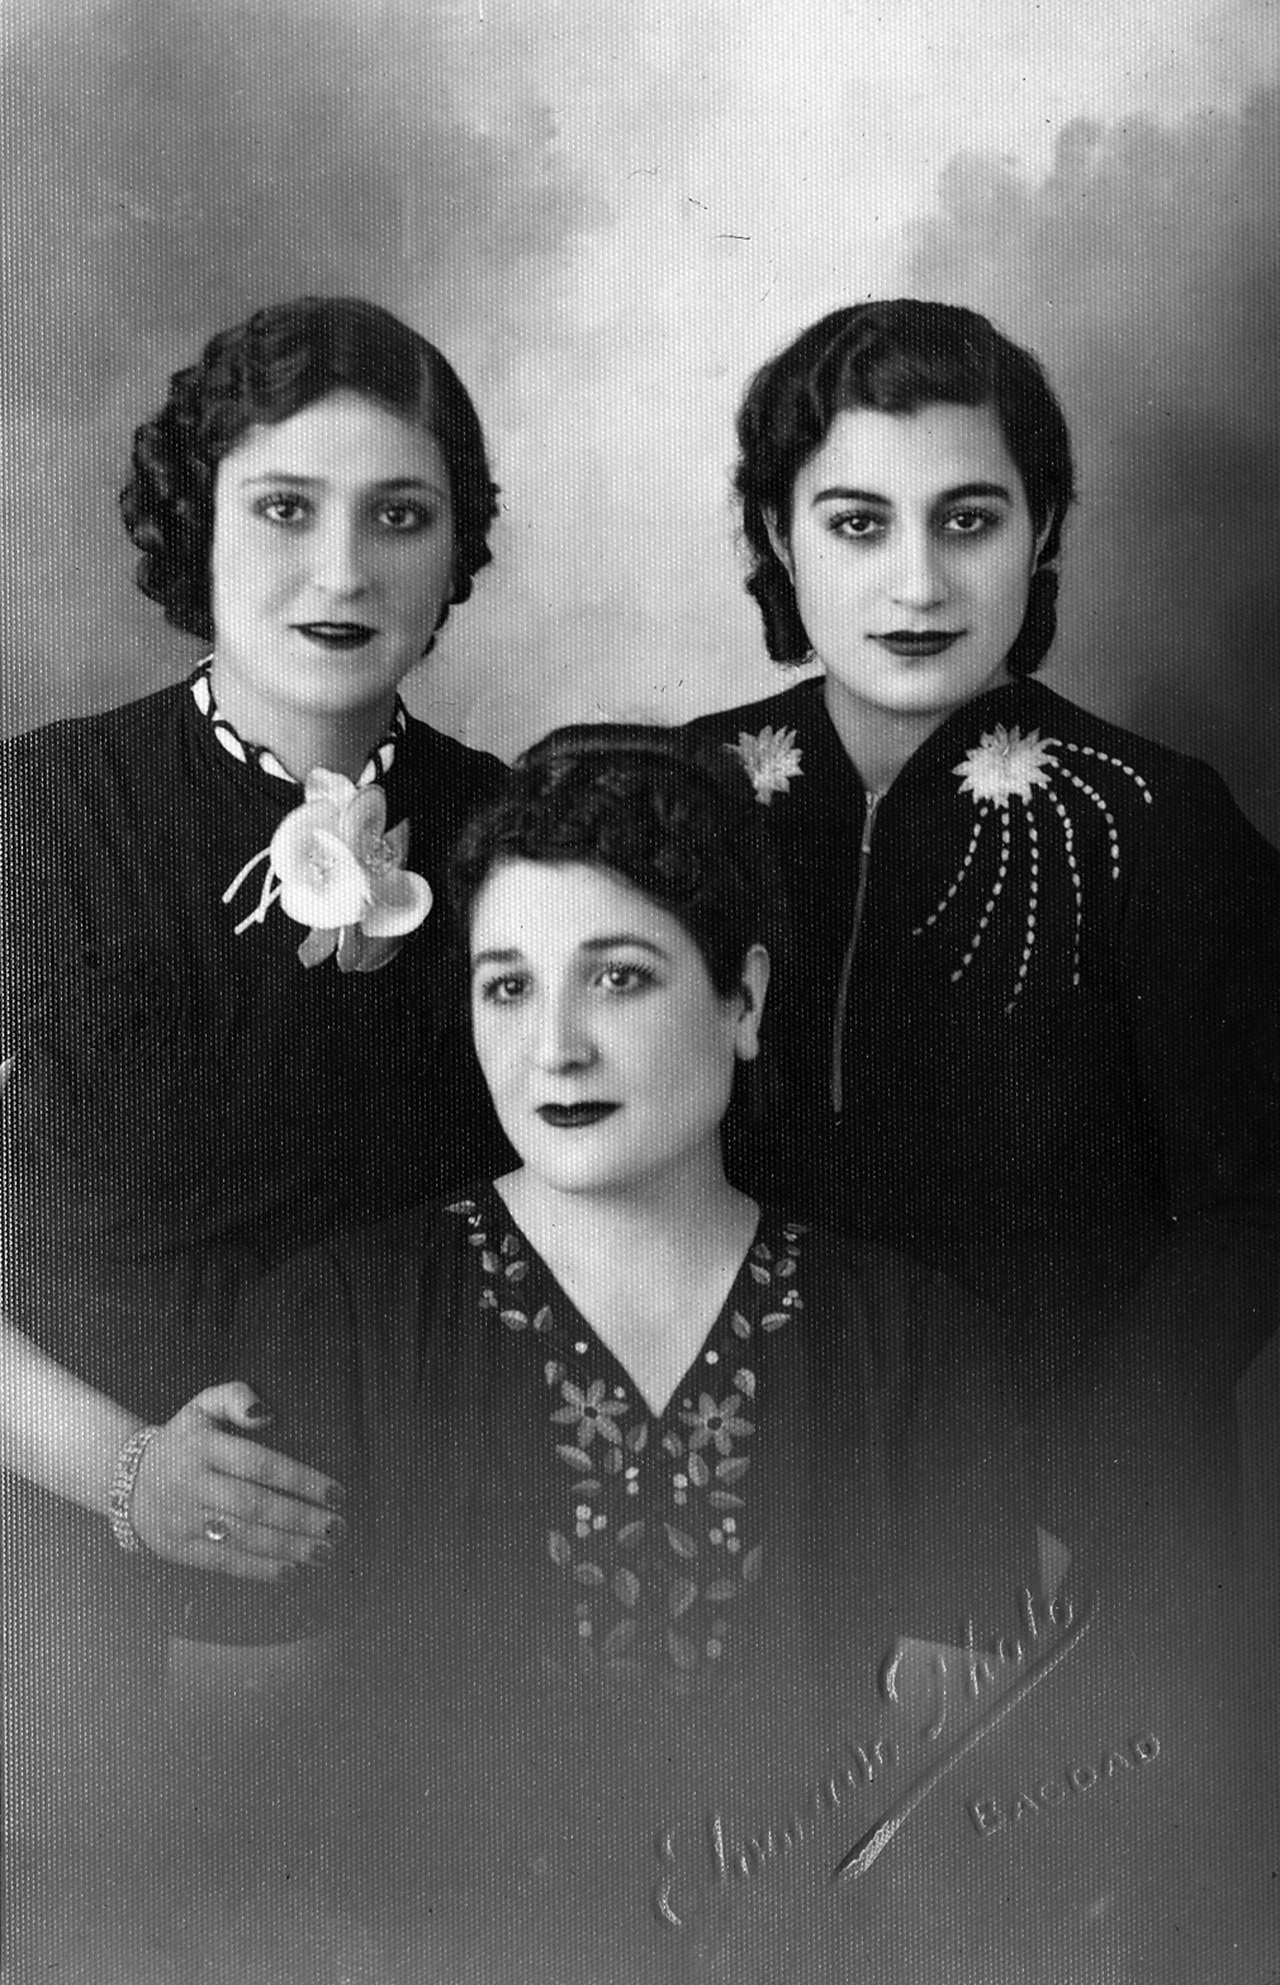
563 1039
337 560
918 575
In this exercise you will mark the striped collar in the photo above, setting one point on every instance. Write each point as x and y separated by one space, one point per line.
379 762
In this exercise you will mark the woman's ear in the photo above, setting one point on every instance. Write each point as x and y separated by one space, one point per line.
781 546
1043 536
750 998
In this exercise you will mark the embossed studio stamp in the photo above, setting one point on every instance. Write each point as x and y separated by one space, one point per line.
733 1857
1029 1666
990 1816
965 1691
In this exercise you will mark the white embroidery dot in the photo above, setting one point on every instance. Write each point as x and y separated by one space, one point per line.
713 1357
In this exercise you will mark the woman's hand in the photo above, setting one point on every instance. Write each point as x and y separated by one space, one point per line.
211 1501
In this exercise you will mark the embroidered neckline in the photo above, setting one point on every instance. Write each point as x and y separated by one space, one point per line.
378 764
655 1545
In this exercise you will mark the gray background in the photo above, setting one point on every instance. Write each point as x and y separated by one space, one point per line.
608 215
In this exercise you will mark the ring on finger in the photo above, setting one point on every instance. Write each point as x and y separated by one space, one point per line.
218 1529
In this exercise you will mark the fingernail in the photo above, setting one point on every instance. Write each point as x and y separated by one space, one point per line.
335 1495
320 1554
257 1414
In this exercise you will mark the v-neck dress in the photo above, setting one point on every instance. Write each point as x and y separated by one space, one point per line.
605 1669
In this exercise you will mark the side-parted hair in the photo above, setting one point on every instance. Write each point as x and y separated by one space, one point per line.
896 357
673 819
281 360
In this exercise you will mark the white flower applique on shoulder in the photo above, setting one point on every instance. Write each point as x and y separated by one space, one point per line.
1007 767
771 760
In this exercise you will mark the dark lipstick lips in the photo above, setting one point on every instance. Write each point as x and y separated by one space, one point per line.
910 646
336 633
575 1116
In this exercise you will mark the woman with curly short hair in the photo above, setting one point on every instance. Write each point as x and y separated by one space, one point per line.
229 1006
1029 1022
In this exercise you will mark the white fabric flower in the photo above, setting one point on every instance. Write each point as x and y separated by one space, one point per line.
332 867
771 760
1004 765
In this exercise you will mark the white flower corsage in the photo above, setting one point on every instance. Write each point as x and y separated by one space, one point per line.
1004 765
331 866
771 760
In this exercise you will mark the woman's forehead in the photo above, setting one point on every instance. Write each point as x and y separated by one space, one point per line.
566 906
936 447
342 439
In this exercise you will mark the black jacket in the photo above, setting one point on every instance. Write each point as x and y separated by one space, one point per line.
1027 1015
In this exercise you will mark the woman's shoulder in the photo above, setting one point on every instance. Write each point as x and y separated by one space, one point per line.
801 704
1157 772
1145 806
437 783
447 757
433 1233
102 741
887 1288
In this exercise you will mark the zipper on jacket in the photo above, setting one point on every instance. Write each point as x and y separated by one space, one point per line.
846 970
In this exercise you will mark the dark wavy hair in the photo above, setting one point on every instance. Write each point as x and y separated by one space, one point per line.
896 357
666 815
277 362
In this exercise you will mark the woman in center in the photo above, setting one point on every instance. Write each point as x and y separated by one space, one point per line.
687 1546
645 1482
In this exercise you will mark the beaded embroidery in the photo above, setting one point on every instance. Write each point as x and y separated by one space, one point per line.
656 1543
1005 766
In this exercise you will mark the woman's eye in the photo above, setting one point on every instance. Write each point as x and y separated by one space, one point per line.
857 524
282 508
971 523
404 518
502 991
626 978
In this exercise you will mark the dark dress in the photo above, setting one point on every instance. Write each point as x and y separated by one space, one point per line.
1026 1017
187 1105
623 1690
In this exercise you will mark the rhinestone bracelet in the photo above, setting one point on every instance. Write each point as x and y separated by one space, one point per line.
128 1462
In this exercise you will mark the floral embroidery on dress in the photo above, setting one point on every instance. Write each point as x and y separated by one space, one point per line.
716 1423
1006 765
771 760
592 1412
655 1537
331 866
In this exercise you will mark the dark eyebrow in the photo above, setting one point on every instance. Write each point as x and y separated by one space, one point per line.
318 482
593 945
964 490
625 937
